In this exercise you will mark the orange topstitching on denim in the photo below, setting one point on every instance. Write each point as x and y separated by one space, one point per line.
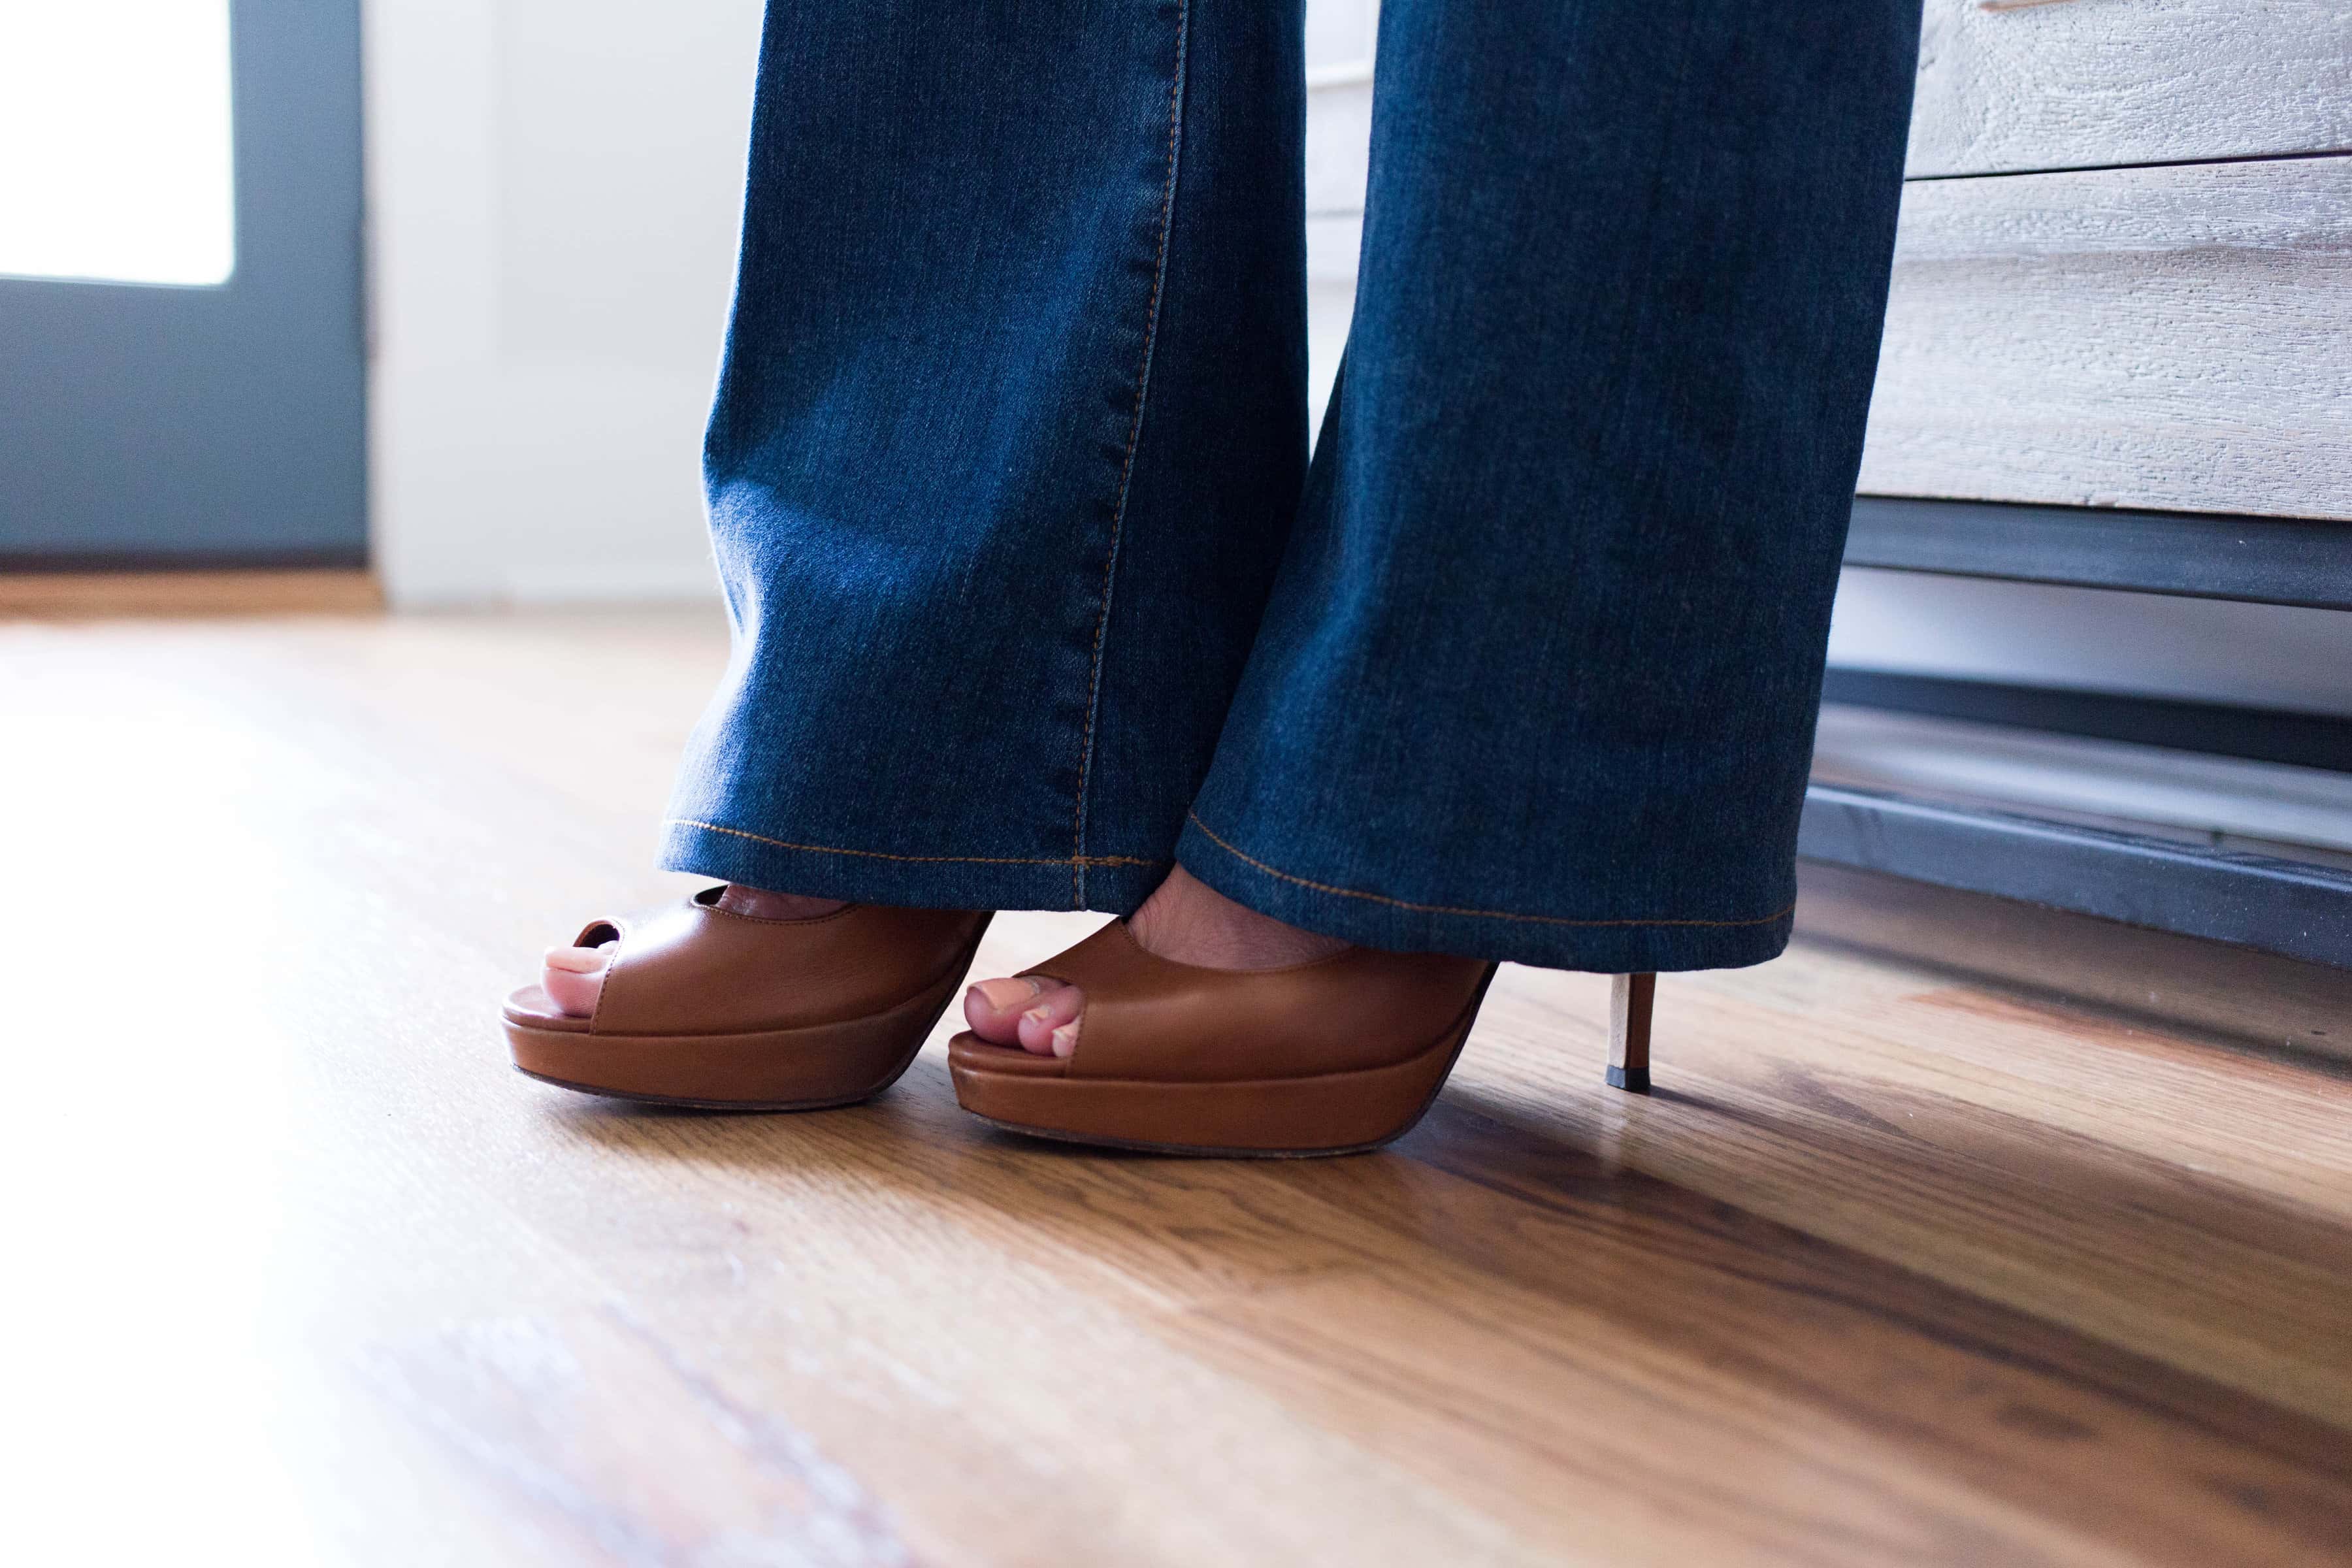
1079 859
1210 834
885 854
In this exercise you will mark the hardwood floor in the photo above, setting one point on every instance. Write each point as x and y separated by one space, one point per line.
95 596
1894 1267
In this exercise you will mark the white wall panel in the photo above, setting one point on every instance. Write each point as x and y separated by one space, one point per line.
553 188
2008 85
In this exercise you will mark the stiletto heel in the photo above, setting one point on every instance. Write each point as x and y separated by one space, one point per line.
1629 1031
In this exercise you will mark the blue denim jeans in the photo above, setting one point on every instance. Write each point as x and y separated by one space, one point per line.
1035 591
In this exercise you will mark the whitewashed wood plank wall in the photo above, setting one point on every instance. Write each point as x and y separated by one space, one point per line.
2092 333
2014 85
2172 337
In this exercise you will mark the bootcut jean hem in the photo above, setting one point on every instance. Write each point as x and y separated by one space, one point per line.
1544 940
1118 884
1115 884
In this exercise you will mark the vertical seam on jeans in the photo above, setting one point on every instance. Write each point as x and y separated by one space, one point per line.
1127 462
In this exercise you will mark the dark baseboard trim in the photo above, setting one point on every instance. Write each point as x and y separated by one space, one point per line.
2290 908
94 563
2257 734
2206 555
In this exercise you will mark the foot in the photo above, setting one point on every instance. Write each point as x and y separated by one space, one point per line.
573 977
1184 919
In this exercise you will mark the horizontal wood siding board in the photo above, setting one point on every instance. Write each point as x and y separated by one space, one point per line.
2092 83
2285 907
2015 87
2165 339
2265 560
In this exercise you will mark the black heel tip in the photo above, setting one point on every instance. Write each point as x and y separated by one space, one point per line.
1636 1082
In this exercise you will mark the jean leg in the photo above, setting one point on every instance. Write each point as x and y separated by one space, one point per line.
1539 676
1008 439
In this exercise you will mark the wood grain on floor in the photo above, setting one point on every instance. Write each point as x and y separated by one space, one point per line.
1893 1268
98 595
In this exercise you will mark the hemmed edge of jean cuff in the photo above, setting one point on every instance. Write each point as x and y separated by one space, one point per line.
1599 949
725 856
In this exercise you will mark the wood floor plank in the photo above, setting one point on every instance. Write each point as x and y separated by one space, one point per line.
1858 1131
1626 1281
1893 1268
107 596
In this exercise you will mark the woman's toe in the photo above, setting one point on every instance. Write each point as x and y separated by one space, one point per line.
993 1007
573 977
1049 1026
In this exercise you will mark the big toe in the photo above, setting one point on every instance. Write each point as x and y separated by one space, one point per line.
1036 1014
993 1007
573 977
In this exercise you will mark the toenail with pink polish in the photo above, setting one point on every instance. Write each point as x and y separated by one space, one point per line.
1004 994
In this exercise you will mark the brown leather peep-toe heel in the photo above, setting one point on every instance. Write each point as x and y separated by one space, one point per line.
1329 1058
702 1006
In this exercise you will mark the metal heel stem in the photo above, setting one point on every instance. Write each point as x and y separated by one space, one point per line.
1629 1031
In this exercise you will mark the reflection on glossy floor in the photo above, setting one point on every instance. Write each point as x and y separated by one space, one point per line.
1893 1270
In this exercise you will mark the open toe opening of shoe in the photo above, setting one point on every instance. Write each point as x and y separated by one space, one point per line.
533 1009
969 1050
